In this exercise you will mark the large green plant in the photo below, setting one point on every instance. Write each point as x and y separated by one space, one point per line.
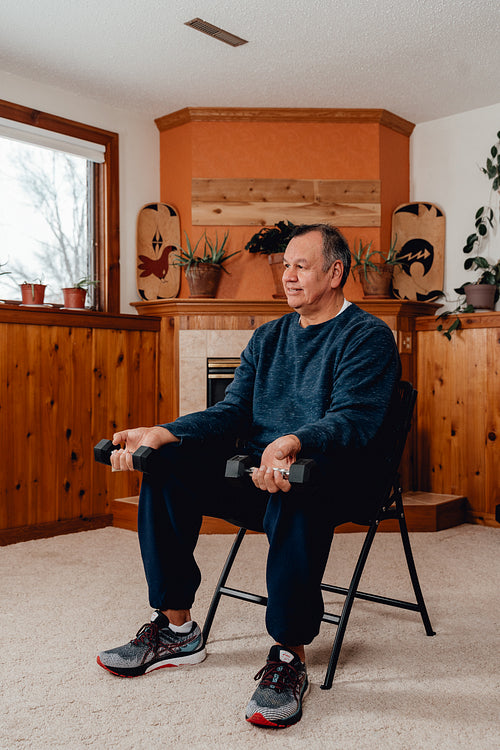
486 220
485 215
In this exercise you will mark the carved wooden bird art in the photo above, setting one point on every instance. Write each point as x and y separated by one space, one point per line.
158 267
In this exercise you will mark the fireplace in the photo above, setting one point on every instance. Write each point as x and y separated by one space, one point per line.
207 361
220 372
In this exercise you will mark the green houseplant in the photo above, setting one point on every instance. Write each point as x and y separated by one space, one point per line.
203 271
486 220
74 296
272 241
483 293
374 269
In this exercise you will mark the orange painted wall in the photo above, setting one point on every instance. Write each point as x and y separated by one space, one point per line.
394 177
284 150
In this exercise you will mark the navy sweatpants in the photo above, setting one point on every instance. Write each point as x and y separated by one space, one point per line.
299 526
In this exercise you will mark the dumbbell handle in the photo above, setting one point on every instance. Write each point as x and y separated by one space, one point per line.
284 472
144 459
298 473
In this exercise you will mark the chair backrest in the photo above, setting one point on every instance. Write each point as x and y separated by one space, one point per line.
394 432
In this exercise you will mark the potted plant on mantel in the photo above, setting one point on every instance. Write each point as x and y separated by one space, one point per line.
483 293
74 296
375 276
203 272
272 241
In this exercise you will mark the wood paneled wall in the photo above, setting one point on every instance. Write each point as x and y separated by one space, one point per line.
66 381
459 412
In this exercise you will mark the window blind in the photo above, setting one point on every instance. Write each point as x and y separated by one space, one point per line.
19 131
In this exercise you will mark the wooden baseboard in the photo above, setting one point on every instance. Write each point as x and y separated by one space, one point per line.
483 519
424 511
53 528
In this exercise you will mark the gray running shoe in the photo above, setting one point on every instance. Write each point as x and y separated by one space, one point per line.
277 702
155 646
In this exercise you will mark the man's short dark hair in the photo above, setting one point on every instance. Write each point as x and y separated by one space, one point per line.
335 246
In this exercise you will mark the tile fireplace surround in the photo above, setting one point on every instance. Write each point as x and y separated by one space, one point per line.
195 347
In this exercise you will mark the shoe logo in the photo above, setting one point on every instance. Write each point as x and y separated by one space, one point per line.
286 656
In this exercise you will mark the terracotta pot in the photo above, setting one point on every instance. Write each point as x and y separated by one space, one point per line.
203 280
74 297
276 263
376 283
33 294
480 296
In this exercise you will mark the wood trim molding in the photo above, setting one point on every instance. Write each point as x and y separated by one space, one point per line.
477 320
54 528
76 318
107 184
176 307
284 114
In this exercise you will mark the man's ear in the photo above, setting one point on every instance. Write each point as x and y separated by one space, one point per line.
337 270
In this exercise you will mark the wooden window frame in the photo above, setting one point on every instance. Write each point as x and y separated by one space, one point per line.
106 195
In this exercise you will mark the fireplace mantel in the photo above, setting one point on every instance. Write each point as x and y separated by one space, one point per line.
213 307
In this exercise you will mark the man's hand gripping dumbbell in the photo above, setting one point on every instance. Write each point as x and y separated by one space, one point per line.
298 473
139 453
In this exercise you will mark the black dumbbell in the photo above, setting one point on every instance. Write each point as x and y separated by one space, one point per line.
144 459
298 473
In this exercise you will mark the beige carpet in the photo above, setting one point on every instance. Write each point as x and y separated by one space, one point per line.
65 598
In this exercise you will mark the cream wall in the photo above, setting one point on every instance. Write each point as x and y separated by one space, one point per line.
139 156
445 156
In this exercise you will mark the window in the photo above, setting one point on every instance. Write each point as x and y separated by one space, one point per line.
58 205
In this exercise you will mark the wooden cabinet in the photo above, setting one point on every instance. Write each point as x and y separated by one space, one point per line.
458 411
68 379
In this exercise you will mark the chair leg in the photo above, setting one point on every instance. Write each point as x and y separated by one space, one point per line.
413 574
222 582
346 610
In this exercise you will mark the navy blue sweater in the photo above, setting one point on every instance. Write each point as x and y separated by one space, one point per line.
329 384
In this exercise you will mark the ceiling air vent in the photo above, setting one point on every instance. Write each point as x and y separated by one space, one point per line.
216 32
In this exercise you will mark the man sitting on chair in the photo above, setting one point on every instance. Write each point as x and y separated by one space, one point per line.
317 382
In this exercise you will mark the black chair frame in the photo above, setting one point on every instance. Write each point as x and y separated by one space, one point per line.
398 424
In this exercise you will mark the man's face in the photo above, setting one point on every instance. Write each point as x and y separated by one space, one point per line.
307 287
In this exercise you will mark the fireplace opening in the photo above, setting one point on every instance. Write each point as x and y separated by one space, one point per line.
220 372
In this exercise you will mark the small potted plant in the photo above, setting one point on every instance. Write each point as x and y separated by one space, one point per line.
272 241
74 296
33 292
483 293
203 272
375 276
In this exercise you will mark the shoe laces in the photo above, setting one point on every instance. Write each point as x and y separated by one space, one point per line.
278 675
148 634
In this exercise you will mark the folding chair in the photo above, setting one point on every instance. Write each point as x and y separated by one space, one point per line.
394 434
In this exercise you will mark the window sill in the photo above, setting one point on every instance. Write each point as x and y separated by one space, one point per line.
56 316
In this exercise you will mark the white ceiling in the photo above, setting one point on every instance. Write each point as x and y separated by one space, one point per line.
421 59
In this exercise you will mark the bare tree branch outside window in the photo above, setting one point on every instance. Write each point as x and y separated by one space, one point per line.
43 218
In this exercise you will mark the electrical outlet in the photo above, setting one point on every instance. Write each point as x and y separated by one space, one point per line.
405 342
